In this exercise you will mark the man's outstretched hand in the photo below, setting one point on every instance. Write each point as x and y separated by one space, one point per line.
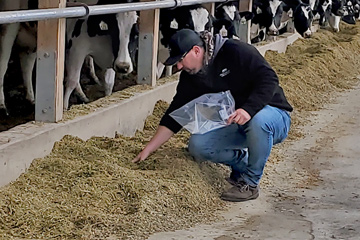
140 157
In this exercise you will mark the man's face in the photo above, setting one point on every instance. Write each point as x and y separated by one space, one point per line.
192 62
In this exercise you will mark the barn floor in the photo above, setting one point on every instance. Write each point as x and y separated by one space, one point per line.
89 189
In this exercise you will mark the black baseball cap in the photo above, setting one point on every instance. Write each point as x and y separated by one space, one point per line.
181 43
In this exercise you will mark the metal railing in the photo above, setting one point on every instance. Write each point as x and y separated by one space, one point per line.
84 10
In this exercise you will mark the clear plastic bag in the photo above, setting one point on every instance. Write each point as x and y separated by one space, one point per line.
205 113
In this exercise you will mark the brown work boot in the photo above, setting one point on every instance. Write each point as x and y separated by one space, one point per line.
240 192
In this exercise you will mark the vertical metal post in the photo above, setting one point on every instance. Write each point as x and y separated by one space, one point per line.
245 5
148 47
50 65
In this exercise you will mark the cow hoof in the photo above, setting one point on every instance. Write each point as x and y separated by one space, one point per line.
108 92
31 101
85 100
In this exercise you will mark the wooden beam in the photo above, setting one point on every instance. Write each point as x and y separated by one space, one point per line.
210 7
50 65
245 5
148 46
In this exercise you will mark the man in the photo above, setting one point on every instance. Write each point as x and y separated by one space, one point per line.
261 118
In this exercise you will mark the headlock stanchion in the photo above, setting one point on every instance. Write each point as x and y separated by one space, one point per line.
82 11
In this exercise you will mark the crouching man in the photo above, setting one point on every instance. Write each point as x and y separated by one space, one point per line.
261 119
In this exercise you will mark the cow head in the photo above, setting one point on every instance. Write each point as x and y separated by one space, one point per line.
228 19
193 17
349 13
303 18
356 4
276 9
125 20
270 14
302 15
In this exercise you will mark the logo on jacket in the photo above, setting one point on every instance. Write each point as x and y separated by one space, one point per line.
224 72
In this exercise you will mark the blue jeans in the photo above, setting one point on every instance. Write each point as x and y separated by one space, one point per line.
245 148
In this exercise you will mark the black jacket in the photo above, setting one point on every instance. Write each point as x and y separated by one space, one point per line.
238 67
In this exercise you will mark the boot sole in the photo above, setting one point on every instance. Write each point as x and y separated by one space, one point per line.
256 195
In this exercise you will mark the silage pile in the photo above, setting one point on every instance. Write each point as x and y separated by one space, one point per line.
91 190
312 70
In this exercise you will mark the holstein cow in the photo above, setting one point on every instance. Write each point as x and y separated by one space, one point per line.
269 19
228 19
25 36
302 16
350 10
106 39
279 11
332 11
98 35
194 17
356 5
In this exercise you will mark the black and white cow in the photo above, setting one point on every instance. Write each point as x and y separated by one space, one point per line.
350 11
356 5
228 19
24 34
195 17
270 18
106 39
302 15
279 11
303 19
331 12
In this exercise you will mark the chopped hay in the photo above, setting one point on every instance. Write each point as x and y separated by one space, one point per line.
91 190
313 69
116 97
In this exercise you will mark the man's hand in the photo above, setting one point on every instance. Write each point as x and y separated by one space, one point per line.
141 156
240 116
162 135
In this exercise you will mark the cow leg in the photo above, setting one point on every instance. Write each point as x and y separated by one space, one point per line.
109 81
7 39
27 62
168 71
73 68
81 94
89 62
160 69
334 22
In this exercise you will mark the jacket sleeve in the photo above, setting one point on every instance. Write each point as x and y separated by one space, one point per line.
262 79
184 94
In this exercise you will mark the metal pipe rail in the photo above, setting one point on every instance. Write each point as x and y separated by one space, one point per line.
84 11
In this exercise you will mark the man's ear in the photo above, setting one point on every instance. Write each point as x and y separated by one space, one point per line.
197 49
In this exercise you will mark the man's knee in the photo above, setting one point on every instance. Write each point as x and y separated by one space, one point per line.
199 149
257 125
195 145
